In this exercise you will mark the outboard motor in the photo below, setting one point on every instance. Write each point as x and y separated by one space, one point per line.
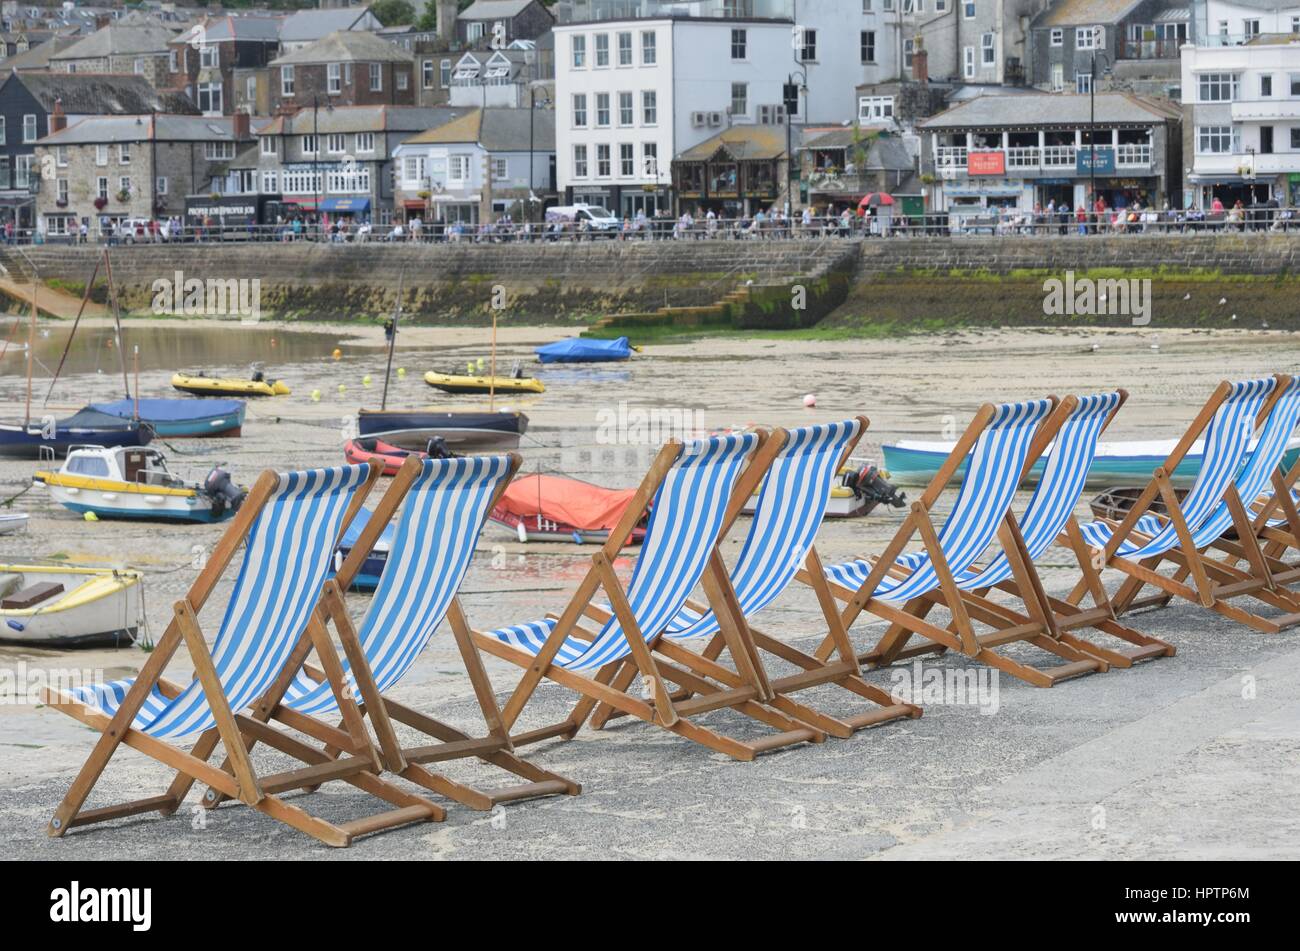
223 492
438 449
869 485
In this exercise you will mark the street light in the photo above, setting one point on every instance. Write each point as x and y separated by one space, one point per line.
532 139
1092 122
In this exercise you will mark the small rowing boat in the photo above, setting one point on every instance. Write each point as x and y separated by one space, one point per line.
464 385
65 606
362 451
913 462
559 509
88 426
11 522
181 419
201 385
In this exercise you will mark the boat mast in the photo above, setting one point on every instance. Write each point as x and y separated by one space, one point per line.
392 337
31 353
117 321
492 378
85 299
137 382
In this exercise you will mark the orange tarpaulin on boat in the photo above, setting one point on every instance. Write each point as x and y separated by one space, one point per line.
567 501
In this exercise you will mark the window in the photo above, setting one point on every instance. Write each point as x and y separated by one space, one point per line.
1083 82
579 161
270 182
29 128
602 161
101 155
739 44
580 110
1295 28
61 191
286 80
1058 37
1217 87
124 153
218 151
309 145
173 62
1250 27
625 49
867 44
458 168
968 61
334 143
160 185
334 79
909 52
1265 86
376 77
649 48
866 6
649 107
1295 137
365 141
602 50
23 171
875 108
413 169
1058 77
4 171
61 156
968 9
124 184
268 145
808 46
1087 38
210 98
602 110
444 73
913 6
739 99
1295 87
988 50
250 88
1216 140
500 169
101 187
138 67
888 5
426 74
940 6
626 110
650 159
578 48
476 31
208 56
2 130
626 160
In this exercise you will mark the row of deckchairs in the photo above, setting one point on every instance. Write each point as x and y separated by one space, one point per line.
275 675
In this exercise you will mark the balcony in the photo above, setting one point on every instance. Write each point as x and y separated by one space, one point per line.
1255 109
583 11
1051 159
950 157
1059 156
1132 156
1129 48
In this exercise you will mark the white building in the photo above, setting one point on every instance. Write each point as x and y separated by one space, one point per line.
633 92
1234 22
1242 122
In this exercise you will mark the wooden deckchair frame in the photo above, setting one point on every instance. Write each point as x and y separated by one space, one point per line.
1037 626
235 730
746 697
451 743
1215 582
842 672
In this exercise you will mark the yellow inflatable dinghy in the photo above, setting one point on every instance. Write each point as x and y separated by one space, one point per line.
483 384
217 386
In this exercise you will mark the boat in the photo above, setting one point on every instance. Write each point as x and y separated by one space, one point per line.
367 577
504 385
557 508
859 489
361 451
13 522
413 429
136 484
85 427
65 606
912 462
201 385
178 419
585 350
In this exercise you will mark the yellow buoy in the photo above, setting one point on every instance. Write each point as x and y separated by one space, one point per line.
365 380
315 396
91 517
338 354
401 373
342 389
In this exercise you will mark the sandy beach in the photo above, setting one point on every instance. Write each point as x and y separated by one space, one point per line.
1175 758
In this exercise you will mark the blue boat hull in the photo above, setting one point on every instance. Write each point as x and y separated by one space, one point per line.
19 443
182 419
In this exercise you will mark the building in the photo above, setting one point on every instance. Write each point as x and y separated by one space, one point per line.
1022 151
1241 122
501 78
495 24
345 68
478 167
38 57
204 59
1235 22
840 166
304 27
335 160
140 48
736 173
28 102
104 169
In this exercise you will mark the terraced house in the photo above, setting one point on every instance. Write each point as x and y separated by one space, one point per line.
345 68
140 48
208 60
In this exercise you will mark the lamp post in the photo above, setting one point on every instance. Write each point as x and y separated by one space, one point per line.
315 153
1092 125
532 141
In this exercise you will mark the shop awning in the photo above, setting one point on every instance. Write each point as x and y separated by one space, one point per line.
345 204
1217 180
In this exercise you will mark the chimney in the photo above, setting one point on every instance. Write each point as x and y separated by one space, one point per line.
921 66
58 119
447 11
240 126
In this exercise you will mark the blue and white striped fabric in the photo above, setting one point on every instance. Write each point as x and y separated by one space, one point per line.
684 527
790 510
992 476
287 559
1227 440
434 542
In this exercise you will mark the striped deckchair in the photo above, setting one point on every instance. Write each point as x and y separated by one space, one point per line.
1231 471
291 524
444 503
1002 443
790 509
692 486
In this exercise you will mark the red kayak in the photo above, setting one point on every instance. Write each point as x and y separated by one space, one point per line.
560 509
360 451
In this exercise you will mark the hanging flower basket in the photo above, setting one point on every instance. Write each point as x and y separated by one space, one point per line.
100 202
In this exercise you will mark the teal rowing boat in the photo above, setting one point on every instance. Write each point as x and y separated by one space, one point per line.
914 462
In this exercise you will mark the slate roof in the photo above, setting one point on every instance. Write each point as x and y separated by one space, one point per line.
344 46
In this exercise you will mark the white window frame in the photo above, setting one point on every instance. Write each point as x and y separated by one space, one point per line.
286 81
1057 36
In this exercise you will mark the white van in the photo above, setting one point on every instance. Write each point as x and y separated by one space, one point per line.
597 218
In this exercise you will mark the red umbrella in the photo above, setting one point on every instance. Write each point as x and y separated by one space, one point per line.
875 199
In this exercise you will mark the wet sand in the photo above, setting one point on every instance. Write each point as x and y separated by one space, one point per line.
916 788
